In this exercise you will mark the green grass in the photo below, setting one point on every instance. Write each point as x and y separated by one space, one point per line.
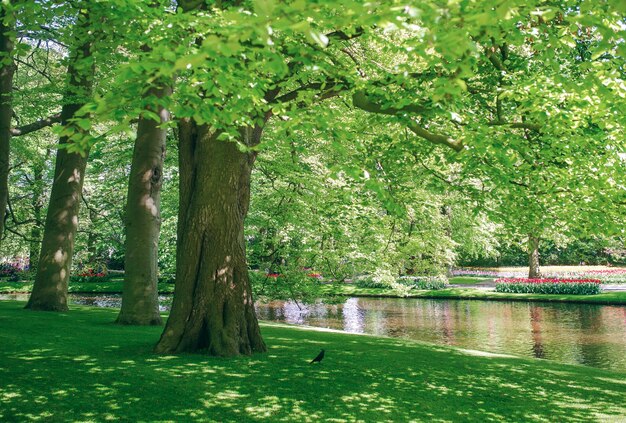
468 280
77 366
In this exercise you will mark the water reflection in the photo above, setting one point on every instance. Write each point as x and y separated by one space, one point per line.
587 334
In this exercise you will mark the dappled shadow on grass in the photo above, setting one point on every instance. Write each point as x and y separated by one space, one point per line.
79 366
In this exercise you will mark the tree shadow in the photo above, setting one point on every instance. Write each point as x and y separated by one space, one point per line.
78 366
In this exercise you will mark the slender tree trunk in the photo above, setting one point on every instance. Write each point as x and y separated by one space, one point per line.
37 203
212 310
7 70
55 262
533 257
140 300
92 238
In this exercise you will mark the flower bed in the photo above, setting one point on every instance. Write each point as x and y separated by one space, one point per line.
607 276
549 286
89 275
13 271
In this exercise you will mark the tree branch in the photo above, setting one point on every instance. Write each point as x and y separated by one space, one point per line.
292 95
361 100
40 72
35 126
340 35
456 145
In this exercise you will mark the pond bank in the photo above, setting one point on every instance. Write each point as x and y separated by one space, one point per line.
367 378
611 297
466 293
589 334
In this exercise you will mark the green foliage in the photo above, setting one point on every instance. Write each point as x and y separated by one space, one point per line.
294 284
361 100
384 280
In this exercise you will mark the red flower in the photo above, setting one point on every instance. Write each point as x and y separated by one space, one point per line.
550 280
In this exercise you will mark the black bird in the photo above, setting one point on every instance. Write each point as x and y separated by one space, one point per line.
319 357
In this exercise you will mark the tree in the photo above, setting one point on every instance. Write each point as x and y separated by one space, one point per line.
140 302
51 281
7 69
213 308
426 69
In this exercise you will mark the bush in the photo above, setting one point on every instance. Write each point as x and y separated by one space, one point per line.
426 282
549 286
404 282
11 271
381 278
369 282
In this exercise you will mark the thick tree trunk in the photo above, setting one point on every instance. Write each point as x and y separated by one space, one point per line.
50 288
212 310
7 70
140 301
533 257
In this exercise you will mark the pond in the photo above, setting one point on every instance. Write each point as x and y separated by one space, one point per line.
592 335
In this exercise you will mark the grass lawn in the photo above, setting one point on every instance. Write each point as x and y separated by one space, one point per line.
79 366
468 280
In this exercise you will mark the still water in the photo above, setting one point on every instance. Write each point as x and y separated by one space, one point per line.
592 335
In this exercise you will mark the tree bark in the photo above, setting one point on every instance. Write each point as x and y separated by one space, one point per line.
7 70
533 257
140 300
212 310
50 288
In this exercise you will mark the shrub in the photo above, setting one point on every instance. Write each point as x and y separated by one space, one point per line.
426 282
549 286
381 278
404 282
12 271
369 282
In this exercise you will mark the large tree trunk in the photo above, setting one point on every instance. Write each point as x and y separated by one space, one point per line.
533 257
212 310
140 301
55 262
7 70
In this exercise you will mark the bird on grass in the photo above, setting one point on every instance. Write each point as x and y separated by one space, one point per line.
319 358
